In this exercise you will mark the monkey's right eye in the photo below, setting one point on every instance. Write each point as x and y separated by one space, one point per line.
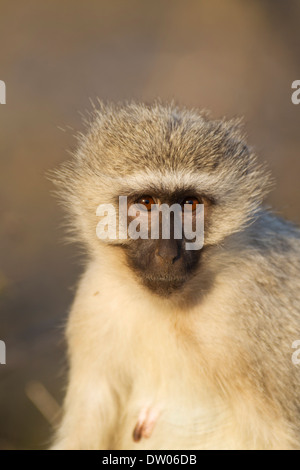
146 202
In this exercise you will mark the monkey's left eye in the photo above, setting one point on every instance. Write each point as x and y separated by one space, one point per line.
146 201
191 201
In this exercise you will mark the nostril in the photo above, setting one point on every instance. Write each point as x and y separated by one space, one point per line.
167 251
165 259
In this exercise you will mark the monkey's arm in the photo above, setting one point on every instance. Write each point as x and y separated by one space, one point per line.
90 409
89 413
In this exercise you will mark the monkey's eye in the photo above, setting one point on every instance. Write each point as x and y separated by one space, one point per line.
191 201
146 202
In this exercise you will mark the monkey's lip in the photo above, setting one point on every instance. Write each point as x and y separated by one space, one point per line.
164 285
166 280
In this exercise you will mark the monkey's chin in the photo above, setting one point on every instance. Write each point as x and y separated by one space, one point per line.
164 287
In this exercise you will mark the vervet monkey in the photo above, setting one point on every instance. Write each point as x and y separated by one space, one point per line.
169 348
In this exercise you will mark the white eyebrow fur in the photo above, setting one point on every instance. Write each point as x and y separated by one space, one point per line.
171 180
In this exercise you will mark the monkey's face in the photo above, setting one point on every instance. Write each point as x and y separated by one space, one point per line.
167 156
165 260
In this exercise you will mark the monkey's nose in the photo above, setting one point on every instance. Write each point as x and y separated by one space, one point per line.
167 251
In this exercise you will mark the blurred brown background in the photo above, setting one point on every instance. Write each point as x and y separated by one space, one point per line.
235 58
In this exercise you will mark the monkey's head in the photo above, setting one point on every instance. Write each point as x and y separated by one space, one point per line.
155 155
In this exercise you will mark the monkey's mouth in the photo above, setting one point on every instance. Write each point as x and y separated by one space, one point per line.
164 286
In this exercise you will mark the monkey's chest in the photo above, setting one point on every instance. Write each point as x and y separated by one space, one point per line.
174 416
170 404
178 427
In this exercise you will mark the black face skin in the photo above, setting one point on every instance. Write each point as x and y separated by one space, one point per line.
163 266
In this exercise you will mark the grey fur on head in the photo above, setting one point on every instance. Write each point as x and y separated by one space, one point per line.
182 148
